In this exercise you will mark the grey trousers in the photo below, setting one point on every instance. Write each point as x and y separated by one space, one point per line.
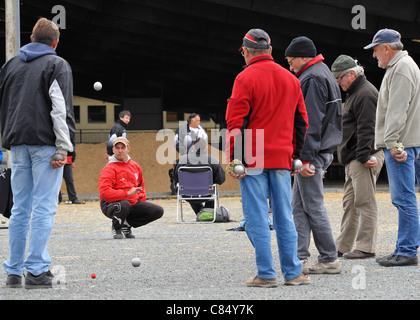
359 224
310 214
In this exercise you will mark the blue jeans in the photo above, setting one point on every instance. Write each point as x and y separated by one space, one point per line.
401 176
35 186
255 188
417 166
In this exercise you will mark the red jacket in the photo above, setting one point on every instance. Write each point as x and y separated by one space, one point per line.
267 96
117 178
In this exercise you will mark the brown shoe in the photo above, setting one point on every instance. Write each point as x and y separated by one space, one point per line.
325 267
357 254
301 279
262 283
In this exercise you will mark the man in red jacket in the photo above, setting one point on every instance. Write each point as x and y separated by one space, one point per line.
121 189
267 102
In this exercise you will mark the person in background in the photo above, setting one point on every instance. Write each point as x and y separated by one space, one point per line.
188 133
118 130
359 224
397 132
323 104
198 156
68 178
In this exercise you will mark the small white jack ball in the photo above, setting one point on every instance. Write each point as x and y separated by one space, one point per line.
97 86
135 262
3 221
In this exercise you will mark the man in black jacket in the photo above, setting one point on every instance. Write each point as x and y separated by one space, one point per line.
360 220
118 130
37 124
323 104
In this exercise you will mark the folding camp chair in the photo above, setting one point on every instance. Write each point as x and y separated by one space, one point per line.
196 183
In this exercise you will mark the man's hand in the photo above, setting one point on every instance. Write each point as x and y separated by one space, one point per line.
231 165
134 191
370 164
399 156
57 164
306 171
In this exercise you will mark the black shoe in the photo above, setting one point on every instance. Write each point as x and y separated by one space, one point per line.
77 201
399 261
42 281
127 232
13 281
385 258
117 233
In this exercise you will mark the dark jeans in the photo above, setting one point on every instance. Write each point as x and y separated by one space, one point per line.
197 205
68 178
137 215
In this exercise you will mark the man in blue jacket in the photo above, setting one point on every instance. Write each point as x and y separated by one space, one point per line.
37 124
323 104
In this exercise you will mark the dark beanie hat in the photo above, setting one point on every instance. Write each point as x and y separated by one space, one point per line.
301 47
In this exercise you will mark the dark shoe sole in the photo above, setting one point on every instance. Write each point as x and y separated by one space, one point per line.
351 255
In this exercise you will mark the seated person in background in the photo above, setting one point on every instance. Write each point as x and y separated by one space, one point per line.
197 156
122 193
188 133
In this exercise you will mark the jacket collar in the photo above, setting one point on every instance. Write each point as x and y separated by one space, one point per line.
258 59
319 58
356 84
122 123
396 58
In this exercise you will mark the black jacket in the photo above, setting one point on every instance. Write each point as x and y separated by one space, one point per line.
323 104
359 118
118 130
36 99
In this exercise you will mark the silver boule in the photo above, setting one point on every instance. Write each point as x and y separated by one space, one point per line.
297 164
239 169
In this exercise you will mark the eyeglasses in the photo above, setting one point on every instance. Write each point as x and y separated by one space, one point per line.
242 52
340 78
290 61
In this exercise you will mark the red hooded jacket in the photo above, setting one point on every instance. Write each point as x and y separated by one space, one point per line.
268 97
117 178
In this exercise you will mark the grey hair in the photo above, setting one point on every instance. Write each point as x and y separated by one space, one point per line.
358 70
256 52
395 45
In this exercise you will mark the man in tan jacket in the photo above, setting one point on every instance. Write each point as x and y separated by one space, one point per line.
397 131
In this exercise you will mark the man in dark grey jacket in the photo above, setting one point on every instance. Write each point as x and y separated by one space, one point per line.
360 220
323 104
37 124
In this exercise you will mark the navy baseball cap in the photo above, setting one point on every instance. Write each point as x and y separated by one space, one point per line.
384 36
256 39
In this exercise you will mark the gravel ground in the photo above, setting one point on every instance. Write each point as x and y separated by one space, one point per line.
188 262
